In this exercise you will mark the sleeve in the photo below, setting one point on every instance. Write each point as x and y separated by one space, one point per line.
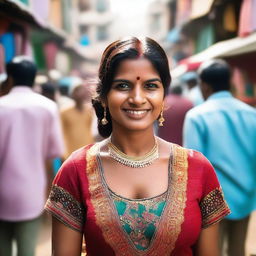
55 136
193 135
212 204
65 199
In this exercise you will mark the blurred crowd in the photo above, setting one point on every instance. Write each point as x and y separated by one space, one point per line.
38 132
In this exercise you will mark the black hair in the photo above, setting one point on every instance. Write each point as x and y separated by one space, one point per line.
48 90
177 90
114 54
64 90
217 74
22 70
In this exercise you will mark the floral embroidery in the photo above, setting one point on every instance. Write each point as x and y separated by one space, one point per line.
140 218
65 208
213 207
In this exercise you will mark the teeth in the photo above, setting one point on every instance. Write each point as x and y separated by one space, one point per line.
136 112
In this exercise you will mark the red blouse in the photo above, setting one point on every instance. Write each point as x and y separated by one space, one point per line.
81 200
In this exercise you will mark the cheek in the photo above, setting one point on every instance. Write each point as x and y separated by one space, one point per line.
157 99
114 103
115 98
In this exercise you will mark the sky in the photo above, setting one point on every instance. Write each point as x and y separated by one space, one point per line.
130 15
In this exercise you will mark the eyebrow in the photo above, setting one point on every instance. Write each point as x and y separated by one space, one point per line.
154 80
121 80
127 81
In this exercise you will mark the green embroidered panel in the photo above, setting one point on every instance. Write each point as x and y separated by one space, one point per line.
140 218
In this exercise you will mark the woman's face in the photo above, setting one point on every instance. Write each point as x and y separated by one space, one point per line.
136 96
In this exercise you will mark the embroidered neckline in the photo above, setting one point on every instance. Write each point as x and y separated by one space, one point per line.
107 191
106 214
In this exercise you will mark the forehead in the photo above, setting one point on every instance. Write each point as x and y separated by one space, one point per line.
140 67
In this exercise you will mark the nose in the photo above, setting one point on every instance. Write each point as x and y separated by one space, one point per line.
137 96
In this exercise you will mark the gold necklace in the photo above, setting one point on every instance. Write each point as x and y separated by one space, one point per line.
133 161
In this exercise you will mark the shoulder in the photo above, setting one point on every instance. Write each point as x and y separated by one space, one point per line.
66 110
200 166
192 163
243 106
191 154
200 109
74 166
43 102
195 159
80 154
6 99
30 100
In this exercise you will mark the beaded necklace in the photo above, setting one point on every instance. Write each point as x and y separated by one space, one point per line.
133 161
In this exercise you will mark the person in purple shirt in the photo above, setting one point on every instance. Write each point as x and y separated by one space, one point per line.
176 107
30 137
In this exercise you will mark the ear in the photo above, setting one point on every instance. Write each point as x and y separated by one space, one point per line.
9 81
103 103
206 90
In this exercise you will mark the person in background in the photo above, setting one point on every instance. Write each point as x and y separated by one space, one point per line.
77 120
134 193
30 137
63 99
223 129
176 107
49 91
192 91
4 85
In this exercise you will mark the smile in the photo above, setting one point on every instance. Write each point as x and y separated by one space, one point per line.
136 113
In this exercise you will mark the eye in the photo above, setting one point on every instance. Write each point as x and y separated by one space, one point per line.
151 86
121 86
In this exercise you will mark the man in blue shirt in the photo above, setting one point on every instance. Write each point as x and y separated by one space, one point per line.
224 130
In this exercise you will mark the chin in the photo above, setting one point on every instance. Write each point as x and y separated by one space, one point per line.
133 125
138 127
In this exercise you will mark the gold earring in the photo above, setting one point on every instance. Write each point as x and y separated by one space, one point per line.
104 120
161 118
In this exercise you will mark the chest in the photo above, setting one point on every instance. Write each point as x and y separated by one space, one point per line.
137 183
172 227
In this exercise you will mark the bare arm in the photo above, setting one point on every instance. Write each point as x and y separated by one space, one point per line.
65 241
207 243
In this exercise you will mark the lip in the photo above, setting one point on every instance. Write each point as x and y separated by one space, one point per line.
136 113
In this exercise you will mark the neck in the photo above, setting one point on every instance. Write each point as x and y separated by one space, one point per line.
22 85
133 143
79 106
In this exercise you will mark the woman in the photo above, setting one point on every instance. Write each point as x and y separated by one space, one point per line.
134 193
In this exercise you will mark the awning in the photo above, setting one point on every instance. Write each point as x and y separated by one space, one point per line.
231 47
223 49
200 8
20 12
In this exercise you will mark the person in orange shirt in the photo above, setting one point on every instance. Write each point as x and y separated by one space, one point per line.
77 120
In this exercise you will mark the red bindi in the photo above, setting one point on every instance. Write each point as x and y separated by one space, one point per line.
138 78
